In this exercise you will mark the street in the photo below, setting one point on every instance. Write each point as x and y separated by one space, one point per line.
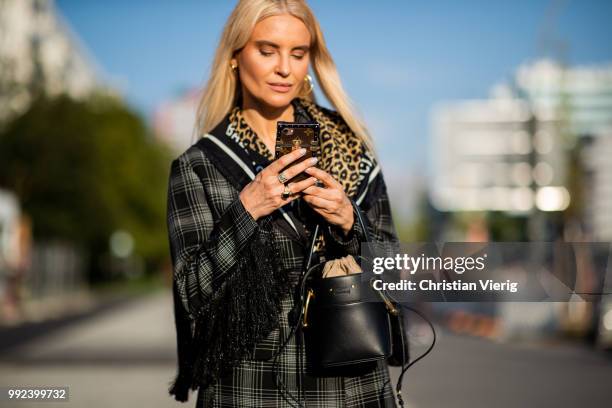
473 372
125 358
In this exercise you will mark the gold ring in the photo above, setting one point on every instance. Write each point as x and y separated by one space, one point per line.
282 178
286 193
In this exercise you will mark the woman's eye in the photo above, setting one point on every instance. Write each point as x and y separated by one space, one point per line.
299 56
265 53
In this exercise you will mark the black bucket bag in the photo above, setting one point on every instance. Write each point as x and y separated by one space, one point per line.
345 334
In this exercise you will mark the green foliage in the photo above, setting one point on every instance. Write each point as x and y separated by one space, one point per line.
418 229
501 226
505 227
84 169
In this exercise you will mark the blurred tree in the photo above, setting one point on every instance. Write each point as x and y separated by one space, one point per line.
499 225
85 169
419 228
507 227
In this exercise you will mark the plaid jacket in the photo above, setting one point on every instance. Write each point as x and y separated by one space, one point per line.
208 227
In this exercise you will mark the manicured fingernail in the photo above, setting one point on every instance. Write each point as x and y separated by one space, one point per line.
313 160
302 151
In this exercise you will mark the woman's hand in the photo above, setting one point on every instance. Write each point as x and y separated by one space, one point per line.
263 195
331 201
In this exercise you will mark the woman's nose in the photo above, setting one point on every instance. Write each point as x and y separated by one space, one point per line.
283 68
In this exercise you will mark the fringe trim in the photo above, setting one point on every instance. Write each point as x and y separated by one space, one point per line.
244 310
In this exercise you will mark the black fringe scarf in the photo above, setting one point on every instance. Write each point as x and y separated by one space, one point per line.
243 312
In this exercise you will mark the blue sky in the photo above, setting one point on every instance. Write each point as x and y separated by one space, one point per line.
396 58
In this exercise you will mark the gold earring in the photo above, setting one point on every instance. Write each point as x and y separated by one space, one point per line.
308 80
234 66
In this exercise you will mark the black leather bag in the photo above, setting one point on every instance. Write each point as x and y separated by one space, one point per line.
345 335
342 333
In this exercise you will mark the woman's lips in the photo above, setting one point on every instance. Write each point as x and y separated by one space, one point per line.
279 87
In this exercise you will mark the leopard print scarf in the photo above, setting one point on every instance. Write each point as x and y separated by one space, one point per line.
343 154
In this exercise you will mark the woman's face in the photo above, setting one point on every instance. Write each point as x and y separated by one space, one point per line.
273 63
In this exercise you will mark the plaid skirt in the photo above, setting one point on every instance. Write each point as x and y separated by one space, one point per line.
252 383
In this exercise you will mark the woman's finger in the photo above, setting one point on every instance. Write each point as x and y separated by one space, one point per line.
320 203
287 199
324 176
277 165
326 193
297 168
300 186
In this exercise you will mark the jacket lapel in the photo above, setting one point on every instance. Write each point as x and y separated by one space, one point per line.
239 167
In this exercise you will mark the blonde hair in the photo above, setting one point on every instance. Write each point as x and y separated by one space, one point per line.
222 88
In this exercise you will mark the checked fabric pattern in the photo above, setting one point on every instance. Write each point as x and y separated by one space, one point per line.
208 226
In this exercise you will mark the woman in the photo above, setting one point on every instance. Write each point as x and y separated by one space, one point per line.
239 232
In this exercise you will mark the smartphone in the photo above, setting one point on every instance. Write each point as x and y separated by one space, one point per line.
291 136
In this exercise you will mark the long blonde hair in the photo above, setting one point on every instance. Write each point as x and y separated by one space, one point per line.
222 89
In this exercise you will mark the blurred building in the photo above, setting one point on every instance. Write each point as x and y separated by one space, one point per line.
510 152
11 255
584 94
174 120
496 155
595 154
39 52
9 217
